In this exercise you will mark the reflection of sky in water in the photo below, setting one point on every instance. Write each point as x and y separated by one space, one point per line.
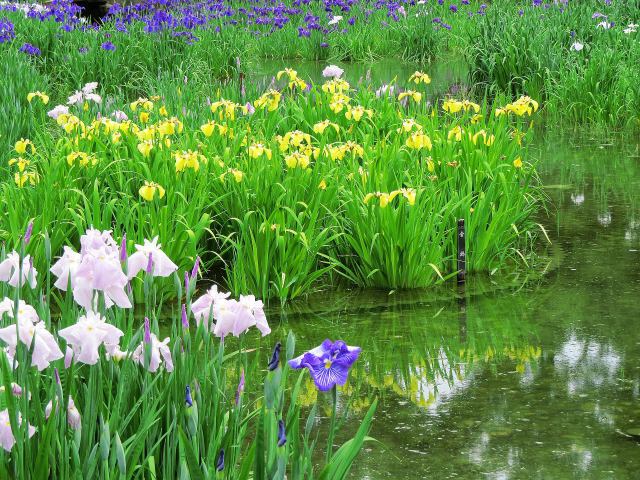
586 364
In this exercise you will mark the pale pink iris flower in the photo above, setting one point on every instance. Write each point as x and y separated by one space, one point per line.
236 317
66 267
96 268
202 306
86 336
45 348
10 271
7 440
162 266
25 311
160 352
100 271
73 414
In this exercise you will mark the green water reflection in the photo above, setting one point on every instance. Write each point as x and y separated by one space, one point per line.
537 381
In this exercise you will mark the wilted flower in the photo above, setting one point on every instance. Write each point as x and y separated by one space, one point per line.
86 336
150 252
7 440
328 364
10 271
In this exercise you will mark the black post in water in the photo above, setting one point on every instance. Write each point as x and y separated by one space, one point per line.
462 253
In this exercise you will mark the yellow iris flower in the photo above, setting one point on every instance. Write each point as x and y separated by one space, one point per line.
357 112
44 98
269 100
25 177
420 77
415 96
21 162
84 159
22 145
419 140
145 148
320 127
258 149
297 159
149 190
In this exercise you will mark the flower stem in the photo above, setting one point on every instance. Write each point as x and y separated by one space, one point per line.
334 398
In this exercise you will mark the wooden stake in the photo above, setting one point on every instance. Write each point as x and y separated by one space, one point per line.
462 252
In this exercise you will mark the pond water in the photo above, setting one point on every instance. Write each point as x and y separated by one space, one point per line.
538 380
535 381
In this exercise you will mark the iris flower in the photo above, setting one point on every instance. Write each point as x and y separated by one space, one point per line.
328 364
7 440
159 353
415 96
332 71
258 149
86 336
203 305
22 145
237 316
149 189
44 98
73 415
57 111
36 336
357 112
320 127
418 141
25 311
10 271
420 77
150 251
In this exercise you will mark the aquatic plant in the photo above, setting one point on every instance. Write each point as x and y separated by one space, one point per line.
312 179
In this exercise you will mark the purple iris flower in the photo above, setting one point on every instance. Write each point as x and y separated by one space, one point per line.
109 46
275 357
30 49
187 397
28 232
328 364
220 461
453 8
7 32
282 435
